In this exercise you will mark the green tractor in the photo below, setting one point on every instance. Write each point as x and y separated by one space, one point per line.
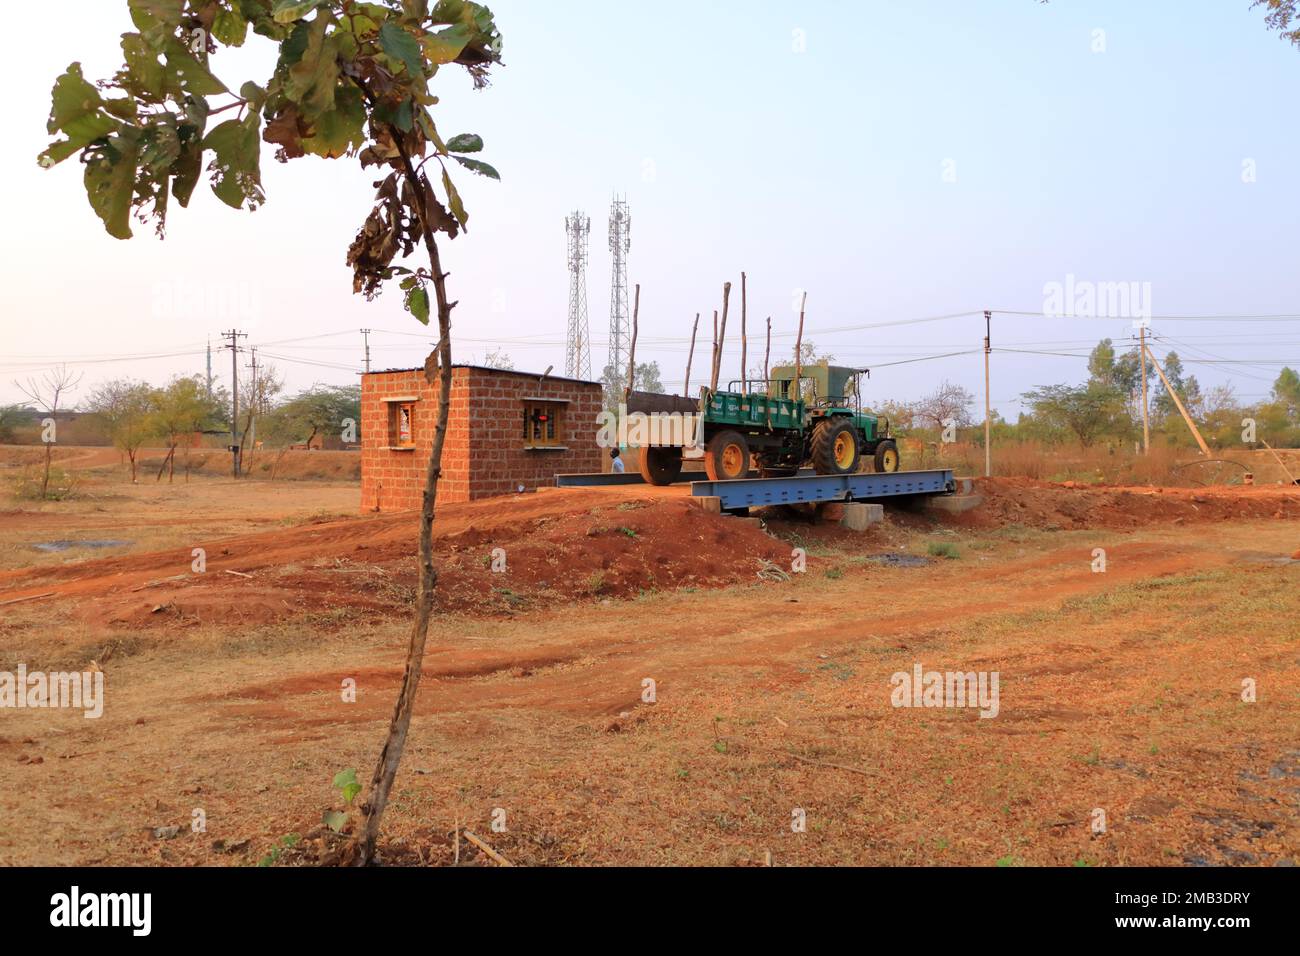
811 417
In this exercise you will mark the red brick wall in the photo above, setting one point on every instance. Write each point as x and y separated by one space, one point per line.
483 455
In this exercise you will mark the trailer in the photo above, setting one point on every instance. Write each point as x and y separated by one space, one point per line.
801 417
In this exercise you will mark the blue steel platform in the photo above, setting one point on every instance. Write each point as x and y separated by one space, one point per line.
760 492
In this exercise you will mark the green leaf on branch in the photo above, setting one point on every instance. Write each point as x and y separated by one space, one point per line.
73 98
336 820
445 45
314 78
160 147
287 11
236 165
168 12
77 112
110 181
143 75
189 165
417 303
254 95
453 197
465 143
474 165
346 780
193 76
341 129
229 28
403 47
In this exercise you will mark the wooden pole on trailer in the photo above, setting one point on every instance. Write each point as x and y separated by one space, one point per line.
767 358
744 336
713 357
798 350
690 357
722 335
631 352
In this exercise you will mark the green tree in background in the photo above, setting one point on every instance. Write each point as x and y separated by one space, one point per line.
1088 412
1286 392
179 413
11 416
124 407
319 410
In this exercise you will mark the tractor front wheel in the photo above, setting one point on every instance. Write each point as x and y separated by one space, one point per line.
661 466
727 457
835 447
887 457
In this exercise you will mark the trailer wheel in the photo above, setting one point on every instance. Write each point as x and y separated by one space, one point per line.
887 457
661 466
727 457
835 447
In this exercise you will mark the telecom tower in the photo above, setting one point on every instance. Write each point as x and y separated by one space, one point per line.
577 362
620 329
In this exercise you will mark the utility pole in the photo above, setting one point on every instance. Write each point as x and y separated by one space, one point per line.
209 368
1182 409
1146 425
234 335
365 334
988 401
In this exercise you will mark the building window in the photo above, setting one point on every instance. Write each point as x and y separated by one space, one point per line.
543 424
401 425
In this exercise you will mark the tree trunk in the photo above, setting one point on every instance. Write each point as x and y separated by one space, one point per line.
45 480
390 756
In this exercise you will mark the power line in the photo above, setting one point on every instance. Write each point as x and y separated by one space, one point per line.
1281 317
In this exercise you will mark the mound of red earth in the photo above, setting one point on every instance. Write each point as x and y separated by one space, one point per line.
1039 504
508 555
495 557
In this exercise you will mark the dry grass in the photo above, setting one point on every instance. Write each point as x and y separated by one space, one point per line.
1101 464
1119 691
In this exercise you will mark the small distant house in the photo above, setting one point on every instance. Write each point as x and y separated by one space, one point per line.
506 431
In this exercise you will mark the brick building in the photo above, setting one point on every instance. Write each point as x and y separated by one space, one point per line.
506 429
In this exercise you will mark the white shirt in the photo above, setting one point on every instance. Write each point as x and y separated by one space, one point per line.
617 466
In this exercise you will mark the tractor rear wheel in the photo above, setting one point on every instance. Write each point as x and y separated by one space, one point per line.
727 457
835 447
887 457
661 466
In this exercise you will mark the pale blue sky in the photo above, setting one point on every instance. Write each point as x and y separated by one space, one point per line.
818 169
